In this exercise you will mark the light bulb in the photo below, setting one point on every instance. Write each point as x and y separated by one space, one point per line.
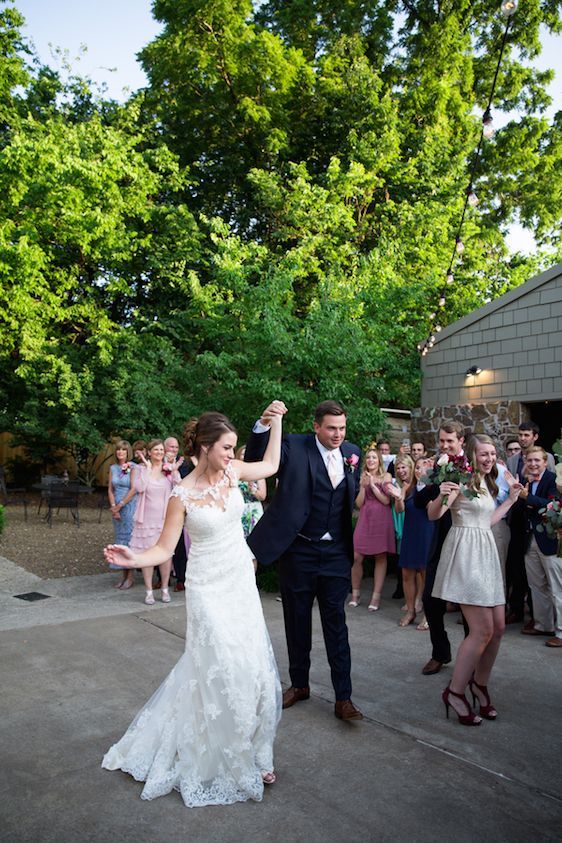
509 7
473 199
438 328
432 339
442 301
432 315
450 277
459 246
488 125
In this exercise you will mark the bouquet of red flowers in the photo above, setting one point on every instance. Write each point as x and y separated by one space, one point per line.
451 469
551 516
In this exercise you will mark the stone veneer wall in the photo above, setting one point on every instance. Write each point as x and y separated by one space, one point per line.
499 419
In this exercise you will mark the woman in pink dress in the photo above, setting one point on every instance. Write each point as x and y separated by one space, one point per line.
154 487
374 533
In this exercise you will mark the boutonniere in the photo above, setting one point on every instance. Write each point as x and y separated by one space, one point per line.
126 468
351 462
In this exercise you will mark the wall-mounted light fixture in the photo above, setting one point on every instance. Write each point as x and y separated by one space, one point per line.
474 370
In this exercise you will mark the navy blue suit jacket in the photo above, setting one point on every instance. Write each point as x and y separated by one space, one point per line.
288 511
546 491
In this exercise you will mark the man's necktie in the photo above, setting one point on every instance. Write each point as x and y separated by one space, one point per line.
332 469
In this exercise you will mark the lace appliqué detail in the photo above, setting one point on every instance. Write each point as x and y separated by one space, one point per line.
216 495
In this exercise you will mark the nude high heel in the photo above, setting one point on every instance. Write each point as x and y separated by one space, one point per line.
355 599
375 602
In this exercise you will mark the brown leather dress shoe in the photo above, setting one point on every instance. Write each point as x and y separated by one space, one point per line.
531 630
179 586
294 695
345 710
433 666
554 642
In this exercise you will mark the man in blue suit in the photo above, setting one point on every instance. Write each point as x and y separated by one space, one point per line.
308 528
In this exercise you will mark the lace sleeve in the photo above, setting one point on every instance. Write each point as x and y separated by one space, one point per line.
231 475
182 493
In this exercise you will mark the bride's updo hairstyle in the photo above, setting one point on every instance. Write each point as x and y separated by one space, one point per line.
490 479
204 432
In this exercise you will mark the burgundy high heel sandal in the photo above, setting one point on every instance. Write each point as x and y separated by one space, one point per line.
470 719
488 710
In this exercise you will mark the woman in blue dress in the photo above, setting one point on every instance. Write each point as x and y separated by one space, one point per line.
121 493
417 536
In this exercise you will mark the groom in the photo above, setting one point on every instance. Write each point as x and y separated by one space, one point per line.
308 528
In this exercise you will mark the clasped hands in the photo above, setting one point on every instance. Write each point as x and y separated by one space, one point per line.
274 412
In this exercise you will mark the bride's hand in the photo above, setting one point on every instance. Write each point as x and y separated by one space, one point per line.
119 554
275 410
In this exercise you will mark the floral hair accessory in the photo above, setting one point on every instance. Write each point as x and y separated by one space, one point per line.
352 462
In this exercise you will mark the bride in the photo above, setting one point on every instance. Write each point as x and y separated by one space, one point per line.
208 731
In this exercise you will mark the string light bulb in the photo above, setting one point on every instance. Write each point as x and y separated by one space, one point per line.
438 328
450 277
459 246
442 301
509 7
488 130
472 198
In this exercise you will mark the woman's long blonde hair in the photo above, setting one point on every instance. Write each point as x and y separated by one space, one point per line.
490 479
404 459
381 471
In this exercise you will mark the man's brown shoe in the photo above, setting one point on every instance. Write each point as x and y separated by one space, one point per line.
294 695
179 586
554 642
531 630
345 710
433 666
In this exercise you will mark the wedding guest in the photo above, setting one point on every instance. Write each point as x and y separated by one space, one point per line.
418 450
139 451
154 487
404 472
208 731
179 560
417 540
374 531
383 447
121 493
543 565
451 442
469 574
253 492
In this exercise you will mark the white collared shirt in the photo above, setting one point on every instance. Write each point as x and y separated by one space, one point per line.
325 453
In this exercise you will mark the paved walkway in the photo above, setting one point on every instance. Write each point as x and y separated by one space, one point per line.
77 666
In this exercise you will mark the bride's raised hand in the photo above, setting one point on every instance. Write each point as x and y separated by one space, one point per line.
276 409
120 554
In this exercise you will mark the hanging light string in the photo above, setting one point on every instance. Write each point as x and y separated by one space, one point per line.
508 8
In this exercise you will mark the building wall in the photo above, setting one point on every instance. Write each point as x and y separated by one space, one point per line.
515 340
498 419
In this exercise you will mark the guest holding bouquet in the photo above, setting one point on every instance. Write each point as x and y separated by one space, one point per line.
469 573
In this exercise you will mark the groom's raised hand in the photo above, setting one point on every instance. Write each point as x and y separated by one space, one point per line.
276 408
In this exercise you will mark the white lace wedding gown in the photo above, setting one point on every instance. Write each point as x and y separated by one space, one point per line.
208 731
